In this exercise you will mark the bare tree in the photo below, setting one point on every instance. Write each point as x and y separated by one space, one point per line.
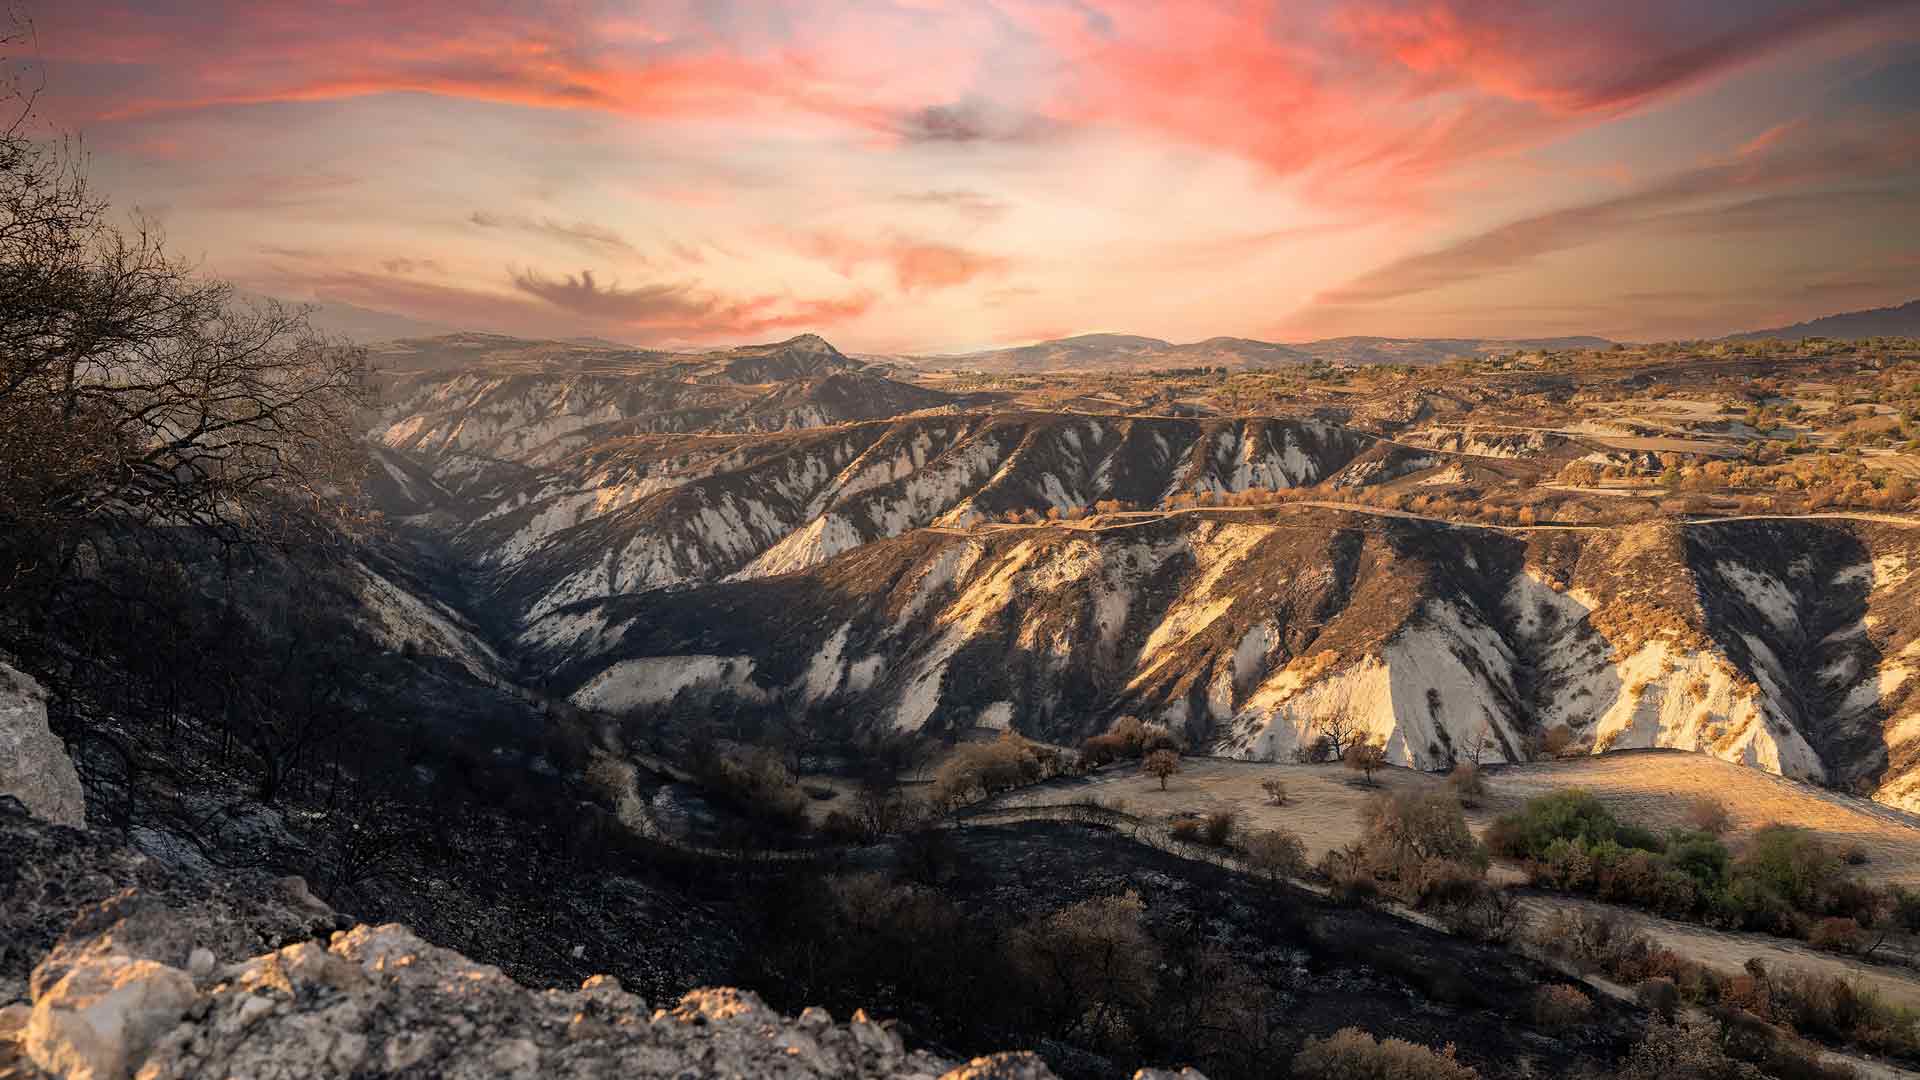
1476 748
1340 728
134 393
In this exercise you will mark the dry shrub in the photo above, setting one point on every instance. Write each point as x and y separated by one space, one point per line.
1423 825
1488 914
1352 1054
841 827
987 768
757 786
1709 815
1837 934
1102 750
1188 830
1349 877
1689 1049
1276 853
1560 1006
1276 791
1217 828
1658 995
1468 785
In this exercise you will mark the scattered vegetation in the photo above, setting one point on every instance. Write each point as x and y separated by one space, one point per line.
1762 1017
1352 1054
1161 764
1366 757
977 770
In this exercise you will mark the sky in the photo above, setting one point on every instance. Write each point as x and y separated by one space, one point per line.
939 175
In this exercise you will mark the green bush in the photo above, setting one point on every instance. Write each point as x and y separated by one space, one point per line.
1700 856
1784 881
1789 862
1573 815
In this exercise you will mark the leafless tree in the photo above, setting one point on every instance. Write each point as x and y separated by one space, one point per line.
1340 728
135 393
1476 747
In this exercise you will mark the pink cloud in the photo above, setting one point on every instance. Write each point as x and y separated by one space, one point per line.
916 265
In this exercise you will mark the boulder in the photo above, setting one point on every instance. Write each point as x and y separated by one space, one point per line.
34 766
103 1015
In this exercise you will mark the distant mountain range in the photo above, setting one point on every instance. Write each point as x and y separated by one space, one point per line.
1901 321
1131 351
1083 351
336 319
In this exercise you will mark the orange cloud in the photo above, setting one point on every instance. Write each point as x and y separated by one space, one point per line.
916 265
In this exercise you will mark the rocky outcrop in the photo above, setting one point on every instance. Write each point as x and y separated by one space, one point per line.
152 982
378 1001
34 766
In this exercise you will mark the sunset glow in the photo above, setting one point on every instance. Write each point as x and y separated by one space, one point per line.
944 174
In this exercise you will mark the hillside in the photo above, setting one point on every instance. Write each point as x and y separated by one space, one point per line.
1497 551
1123 352
1900 321
1779 645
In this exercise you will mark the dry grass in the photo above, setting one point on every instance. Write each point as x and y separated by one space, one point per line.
1323 801
1651 788
1654 789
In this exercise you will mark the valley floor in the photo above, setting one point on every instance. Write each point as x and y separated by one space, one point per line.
1651 788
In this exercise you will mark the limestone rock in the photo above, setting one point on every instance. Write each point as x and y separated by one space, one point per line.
1024 1065
142 985
34 766
103 1015
379 1001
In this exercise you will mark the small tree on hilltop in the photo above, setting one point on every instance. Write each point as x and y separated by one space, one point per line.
1162 763
1366 757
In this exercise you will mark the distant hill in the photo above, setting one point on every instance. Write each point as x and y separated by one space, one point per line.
1128 351
795 358
355 323
1389 350
1902 321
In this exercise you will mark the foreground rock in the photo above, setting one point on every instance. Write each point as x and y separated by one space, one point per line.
378 1001
251 977
34 766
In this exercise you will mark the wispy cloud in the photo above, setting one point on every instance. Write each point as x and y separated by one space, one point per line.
581 234
684 308
1685 200
900 167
